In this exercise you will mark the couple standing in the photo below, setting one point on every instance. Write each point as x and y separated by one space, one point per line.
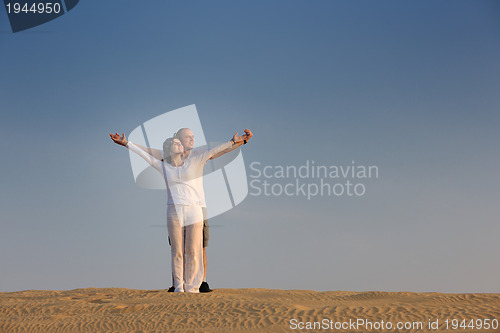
182 169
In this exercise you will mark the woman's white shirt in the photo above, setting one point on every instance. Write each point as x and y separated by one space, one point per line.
185 182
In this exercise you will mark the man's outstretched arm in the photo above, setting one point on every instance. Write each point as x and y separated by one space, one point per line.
241 140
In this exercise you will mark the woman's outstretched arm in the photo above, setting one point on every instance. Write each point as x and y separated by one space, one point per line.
156 153
122 141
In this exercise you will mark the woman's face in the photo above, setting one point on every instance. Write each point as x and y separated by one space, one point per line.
176 147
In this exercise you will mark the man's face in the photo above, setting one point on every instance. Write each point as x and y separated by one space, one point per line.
187 139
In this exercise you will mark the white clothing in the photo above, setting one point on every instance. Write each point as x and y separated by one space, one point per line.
185 182
184 213
187 247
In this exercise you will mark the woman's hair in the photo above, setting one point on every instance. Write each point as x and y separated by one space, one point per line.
167 145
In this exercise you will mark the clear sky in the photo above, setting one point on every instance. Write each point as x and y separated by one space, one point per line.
411 87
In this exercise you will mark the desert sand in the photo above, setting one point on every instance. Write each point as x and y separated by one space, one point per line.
240 310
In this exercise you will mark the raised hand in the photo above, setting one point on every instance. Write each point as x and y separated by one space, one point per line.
237 138
121 140
248 134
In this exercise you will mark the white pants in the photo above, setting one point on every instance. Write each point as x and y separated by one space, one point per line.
185 229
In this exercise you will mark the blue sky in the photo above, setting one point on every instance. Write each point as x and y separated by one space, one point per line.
411 87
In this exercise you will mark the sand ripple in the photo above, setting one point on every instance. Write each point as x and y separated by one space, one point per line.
231 310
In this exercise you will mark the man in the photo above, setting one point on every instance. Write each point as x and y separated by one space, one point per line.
186 136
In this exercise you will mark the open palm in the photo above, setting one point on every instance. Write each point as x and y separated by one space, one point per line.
121 140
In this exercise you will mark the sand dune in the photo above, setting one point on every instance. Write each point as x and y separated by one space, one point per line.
240 310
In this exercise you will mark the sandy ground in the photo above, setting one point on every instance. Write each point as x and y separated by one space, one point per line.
240 310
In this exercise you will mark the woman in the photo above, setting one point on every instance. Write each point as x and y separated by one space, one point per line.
184 182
